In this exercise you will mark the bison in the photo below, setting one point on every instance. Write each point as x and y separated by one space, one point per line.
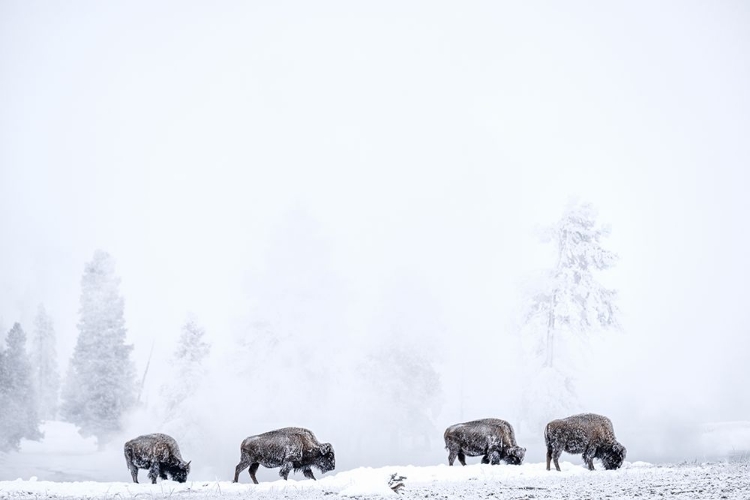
159 454
491 438
589 434
291 448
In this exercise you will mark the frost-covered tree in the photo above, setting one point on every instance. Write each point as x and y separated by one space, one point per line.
186 403
570 299
18 415
100 386
567 305
187 371
44 363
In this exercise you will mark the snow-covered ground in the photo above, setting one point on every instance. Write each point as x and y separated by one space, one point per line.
68 466
726 480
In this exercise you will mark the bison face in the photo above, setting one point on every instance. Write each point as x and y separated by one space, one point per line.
327 460
614 456
180 473
514 455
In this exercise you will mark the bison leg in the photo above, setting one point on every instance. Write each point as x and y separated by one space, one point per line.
462 458
308 473
285 470
452 456
485 459
549 456
495 458
253 469
133 472
555 456
588 457
131 466
154 472
244 463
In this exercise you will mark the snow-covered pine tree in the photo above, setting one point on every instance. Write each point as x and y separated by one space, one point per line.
44 363
18 416
187 370
100 383
183 410
566 306
571 300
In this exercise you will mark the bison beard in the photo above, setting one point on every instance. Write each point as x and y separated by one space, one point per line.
491 438
159 454
291 448
590 435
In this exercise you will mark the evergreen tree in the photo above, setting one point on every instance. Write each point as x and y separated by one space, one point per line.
566 306
183 394
44 363
570 300
18 417
100 384
187 371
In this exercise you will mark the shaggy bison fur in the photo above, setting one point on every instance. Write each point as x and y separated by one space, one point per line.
159 454
491 438
589 434
291 448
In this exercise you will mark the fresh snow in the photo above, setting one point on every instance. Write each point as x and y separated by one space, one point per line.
728 480
78 469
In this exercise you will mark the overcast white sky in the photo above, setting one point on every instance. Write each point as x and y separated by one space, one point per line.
417 142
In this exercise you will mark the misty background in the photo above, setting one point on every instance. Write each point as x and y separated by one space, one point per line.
326 188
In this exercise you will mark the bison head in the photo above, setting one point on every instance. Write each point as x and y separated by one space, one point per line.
179 472
327 460
514 455
613 456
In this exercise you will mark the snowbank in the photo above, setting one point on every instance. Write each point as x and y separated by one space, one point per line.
364 481
726 480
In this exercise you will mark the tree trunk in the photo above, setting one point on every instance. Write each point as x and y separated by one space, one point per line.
551 333
561 245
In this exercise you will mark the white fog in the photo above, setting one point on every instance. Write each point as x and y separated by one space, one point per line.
347 201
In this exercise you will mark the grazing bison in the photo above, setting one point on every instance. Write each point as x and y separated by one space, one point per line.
159 454
291 448
589 434
491 438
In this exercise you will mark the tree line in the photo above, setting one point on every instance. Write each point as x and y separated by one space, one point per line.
565 304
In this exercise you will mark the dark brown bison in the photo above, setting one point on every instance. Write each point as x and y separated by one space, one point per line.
491 438
159 454
291 448
589 434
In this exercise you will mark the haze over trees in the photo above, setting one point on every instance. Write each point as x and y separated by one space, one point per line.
99 386
44 362
18 410
409 396
566 306
181 410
